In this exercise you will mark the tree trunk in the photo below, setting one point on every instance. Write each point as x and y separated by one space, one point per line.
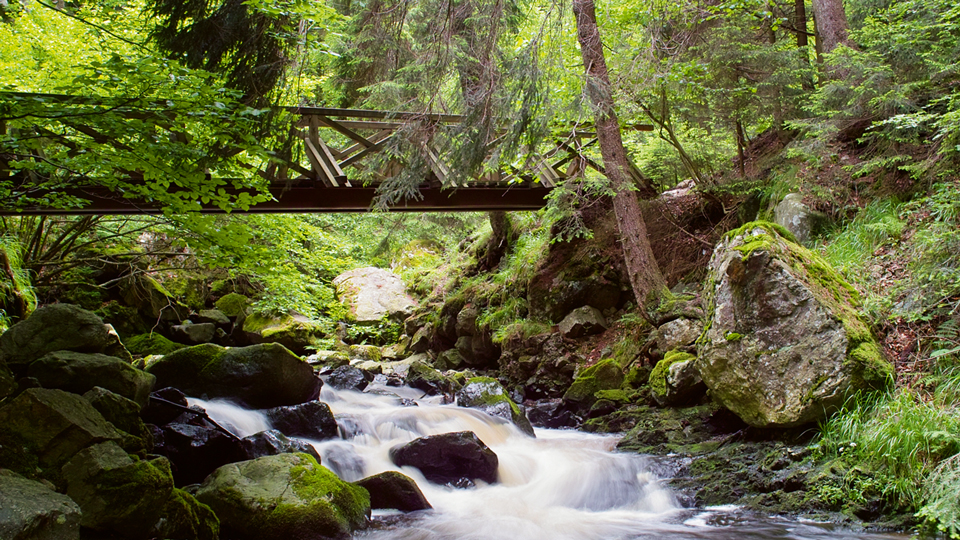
645 277
831 21
500 240
800 22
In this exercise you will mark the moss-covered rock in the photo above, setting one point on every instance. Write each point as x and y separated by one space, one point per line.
261 376
294 331
233 304
124 414
32 511
675 379
152 300
785 344
604 375
284 496
151 343
8 385
486 394
186 517
423 377
79 372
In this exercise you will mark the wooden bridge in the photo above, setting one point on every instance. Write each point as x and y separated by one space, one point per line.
330 166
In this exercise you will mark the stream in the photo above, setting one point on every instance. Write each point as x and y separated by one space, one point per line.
561 485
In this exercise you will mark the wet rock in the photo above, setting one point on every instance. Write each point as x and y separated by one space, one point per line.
678 333
349 378
58 327
786 344
427 379
196 451
676 381
158 413
307 500
272 443
478 350
31 511
373 294
310 420
487 395
193 334
449 457
79 372
55 424
393 490
260 376
422 339
114 492
549 413
292 330
583 321
124 414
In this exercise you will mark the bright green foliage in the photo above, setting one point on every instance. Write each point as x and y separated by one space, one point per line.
152 343
17 299
658 377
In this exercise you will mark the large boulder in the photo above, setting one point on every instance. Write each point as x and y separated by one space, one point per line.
124 414
785 344
79 372
285 496
58 327
449 458
310 420
678 333
54 424
193 333
349 378
373 294
272 443
393 490
31 511
292 330
487 395
798 218
260 376
133 498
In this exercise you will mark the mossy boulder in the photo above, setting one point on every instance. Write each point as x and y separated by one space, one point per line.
53 425
124 414
79 372
151 343
486 394
30 510
261 376
294 331
152 300
785 343
423 377
604 375
286 496
58 327
675 380
233 305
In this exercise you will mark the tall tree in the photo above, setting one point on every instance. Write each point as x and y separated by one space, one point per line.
645 277
832 28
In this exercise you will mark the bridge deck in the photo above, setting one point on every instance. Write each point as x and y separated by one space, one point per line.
311 176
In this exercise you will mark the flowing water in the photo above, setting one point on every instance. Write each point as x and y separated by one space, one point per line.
561 485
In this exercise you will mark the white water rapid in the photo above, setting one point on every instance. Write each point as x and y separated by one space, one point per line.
561 485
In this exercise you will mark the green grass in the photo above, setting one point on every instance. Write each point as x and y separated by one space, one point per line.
852 245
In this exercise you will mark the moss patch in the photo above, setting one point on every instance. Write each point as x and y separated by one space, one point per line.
151 343
604 375
233 304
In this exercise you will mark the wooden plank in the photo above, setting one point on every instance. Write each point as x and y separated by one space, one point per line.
325 175
344 131
352 160
375 139
331 163
438 167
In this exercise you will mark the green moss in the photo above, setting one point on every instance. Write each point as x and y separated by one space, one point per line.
658 377
233 304
331 499
492 398
604 375
185 517
636 377
126 320
765 225
151 343
191 359
874 369
733 336
616 396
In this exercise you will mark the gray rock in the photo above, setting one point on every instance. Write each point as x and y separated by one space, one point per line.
678 333
306 500
467 320
58 327
786 344
124 414
486 394
583 321
449 359
57 424
31 511
193 334
79 372
273 443
261 376
349 378
214 316
372 294
393 490
798 218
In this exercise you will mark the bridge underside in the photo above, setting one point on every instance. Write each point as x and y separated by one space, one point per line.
314 198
